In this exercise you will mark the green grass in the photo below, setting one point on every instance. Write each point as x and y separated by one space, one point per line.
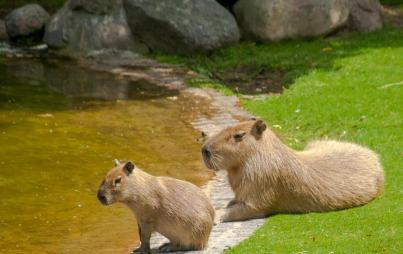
336 90
296 57
391 2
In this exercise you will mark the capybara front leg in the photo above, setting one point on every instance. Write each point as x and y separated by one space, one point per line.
232 202
145 231
239 212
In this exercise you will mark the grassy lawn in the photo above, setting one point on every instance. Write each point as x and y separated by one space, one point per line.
346 88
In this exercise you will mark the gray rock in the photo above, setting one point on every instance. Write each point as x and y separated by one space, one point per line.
181 26
84 26
3 31
365 16
26 21
273 20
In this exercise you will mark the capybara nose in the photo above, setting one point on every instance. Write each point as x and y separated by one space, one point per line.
102 198
206 152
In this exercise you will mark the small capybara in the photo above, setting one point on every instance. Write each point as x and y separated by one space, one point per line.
178 210
268 177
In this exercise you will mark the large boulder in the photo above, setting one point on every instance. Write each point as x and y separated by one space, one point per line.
365 16
83 26
3 31
181 26
271 20
26 21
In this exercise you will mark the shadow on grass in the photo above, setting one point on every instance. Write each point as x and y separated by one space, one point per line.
287 60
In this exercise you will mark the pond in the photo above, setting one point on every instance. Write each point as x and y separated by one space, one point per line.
60 129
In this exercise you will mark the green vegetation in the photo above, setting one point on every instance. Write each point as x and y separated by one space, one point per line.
348 88
391 2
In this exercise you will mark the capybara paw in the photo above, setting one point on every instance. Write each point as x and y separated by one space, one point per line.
224 216
163 246
141 251
168 247
218 216
224 219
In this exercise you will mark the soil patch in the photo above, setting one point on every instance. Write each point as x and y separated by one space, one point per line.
250 79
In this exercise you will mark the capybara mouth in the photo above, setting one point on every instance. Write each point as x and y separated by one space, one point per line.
103 201
207 158
209 164
102 198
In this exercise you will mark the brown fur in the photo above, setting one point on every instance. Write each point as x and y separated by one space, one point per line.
268 177
176 209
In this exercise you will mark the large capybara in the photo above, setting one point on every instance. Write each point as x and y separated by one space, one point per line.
178 210
268 177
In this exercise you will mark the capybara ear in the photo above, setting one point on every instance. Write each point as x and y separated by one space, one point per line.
258 128
117 162
129 167
203 137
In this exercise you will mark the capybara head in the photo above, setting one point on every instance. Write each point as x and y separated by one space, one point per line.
231 147
113 187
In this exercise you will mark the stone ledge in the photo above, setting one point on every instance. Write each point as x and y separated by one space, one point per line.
224 235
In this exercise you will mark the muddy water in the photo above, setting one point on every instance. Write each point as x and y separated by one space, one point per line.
60 129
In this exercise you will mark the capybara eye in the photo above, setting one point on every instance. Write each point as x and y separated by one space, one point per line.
239 136
118 180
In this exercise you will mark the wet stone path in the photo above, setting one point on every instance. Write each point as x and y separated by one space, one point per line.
224 235
226 112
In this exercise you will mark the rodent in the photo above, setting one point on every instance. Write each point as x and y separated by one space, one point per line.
268 177
176 209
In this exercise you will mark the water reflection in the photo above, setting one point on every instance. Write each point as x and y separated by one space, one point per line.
72 81
60 129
